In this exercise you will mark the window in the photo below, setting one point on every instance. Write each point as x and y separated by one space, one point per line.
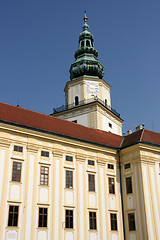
16 172
87 43
92 220
91 179
69 158
110 125
69 179
110 166
82 44
113 217
42 217
111 185
76 101
44 175
105 101
13 216
90 162
75 121
129 185
69 218
44 154
18 148
127 165
131 222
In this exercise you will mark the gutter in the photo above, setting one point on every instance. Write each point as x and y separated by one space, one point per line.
121 190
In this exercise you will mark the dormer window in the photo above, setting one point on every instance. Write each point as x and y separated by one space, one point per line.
76 100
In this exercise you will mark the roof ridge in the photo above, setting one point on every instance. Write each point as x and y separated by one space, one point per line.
142 135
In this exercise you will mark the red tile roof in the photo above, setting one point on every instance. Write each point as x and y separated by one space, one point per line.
44 122
142 135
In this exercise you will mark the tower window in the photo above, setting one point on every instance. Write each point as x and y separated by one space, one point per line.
87 43
76 101
82 44
105 102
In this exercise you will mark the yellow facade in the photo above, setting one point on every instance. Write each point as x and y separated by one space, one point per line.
30 195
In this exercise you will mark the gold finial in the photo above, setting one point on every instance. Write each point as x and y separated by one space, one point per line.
85 17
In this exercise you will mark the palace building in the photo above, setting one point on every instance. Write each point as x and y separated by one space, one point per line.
71 175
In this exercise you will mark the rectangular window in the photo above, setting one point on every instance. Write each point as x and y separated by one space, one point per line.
16 171
44 175
110 166
110 125
42 217
111 185
91 179
13 216
92 220
69 158
44 154
127 165
69 218
69 179
113 217
129 185
131 222
91 162
18 148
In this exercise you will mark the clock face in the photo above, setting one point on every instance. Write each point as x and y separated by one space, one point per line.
92 87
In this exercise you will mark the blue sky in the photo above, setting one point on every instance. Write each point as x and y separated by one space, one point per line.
37 44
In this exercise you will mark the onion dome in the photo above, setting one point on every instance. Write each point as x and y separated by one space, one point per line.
86 62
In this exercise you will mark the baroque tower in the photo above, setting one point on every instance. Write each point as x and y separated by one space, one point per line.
87 95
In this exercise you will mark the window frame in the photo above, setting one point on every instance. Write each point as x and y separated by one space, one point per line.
69 158
43 181
131 222
91 182
12 214
111 185
110 166
69 219
17 171
18 148
44 222
69 179
113 221
44 153
127 166
92 220
91 162
129 187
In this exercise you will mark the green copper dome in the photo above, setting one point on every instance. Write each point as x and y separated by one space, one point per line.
86 56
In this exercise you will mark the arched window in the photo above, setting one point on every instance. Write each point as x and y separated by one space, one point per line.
87 43
105 102
76 101
82 44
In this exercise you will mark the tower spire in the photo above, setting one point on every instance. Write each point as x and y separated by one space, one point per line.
85 17
86 62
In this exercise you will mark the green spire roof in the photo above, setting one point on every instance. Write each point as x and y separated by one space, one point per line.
86 62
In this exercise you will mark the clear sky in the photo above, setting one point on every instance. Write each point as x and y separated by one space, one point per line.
38 39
